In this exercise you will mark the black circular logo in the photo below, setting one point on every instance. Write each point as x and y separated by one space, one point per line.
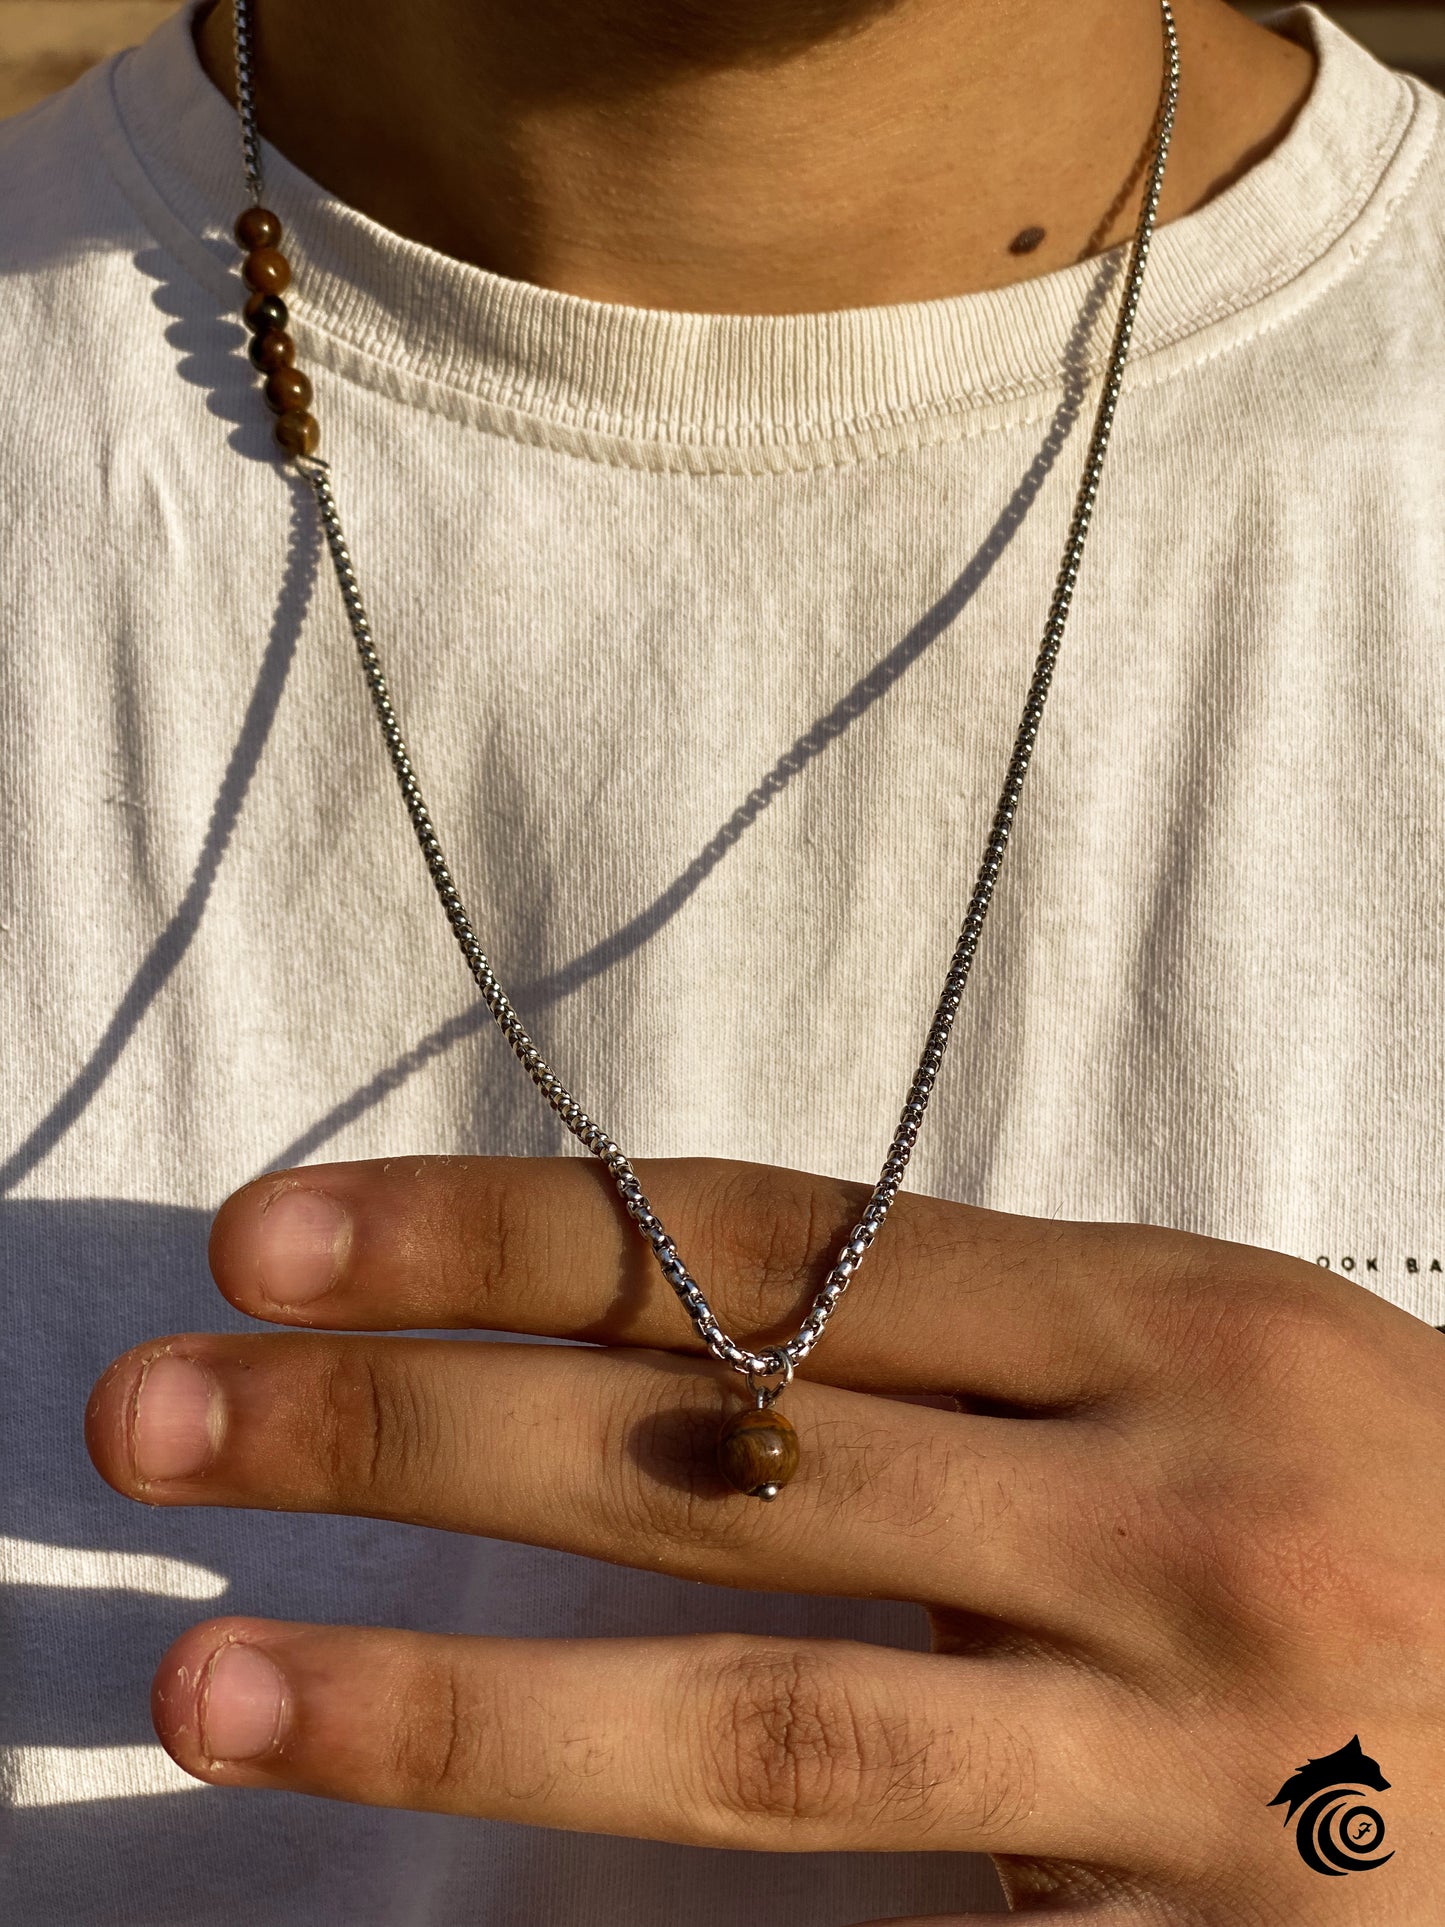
1335 1830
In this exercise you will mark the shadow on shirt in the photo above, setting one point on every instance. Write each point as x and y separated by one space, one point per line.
209 355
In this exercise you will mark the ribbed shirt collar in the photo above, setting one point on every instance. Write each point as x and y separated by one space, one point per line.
401 316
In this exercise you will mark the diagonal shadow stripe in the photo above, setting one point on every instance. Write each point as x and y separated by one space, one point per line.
161 960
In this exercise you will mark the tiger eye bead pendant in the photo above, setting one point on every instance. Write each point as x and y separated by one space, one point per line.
757 1451
267 273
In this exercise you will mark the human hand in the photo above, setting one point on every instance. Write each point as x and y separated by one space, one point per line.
1180 1531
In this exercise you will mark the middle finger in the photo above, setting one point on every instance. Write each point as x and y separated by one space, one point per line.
607 1453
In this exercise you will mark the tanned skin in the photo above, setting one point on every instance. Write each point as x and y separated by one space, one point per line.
757 156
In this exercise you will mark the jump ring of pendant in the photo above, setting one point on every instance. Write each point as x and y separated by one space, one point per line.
780 1370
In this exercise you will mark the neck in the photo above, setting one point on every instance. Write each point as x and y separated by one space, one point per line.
758 156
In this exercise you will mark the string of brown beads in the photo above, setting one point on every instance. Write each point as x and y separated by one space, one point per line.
757 1451
267 273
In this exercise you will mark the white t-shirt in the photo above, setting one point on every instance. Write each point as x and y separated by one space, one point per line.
623 565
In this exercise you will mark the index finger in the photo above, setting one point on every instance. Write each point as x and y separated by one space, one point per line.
949 1298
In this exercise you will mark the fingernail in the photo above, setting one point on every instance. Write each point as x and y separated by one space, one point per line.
243 1704
305 1237
178 1419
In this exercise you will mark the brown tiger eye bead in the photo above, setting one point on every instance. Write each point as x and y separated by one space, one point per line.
263 311
288 391
298 434
258 228
267 271
757 1452
272 350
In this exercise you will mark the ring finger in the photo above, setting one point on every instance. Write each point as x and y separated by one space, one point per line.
717 1740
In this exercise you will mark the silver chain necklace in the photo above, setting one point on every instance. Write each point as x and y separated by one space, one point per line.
758 1448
